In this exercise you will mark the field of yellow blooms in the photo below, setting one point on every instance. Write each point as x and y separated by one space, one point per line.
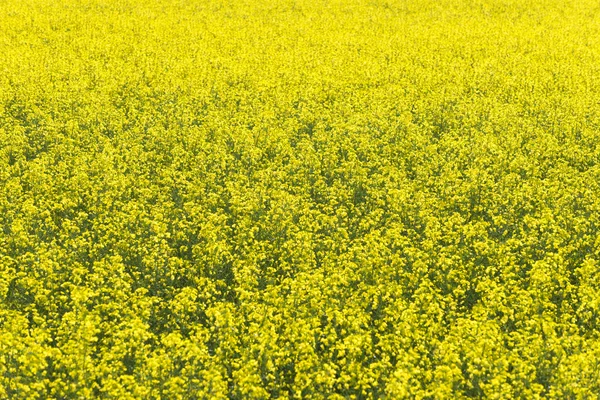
307 199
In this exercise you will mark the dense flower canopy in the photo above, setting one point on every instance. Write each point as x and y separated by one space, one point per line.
341 199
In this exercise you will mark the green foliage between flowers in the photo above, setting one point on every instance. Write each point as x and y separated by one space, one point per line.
320 199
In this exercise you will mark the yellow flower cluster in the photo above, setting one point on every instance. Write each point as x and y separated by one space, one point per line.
309 199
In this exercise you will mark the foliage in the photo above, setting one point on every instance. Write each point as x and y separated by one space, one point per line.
332 199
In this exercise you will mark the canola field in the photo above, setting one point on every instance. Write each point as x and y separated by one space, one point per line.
304 199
